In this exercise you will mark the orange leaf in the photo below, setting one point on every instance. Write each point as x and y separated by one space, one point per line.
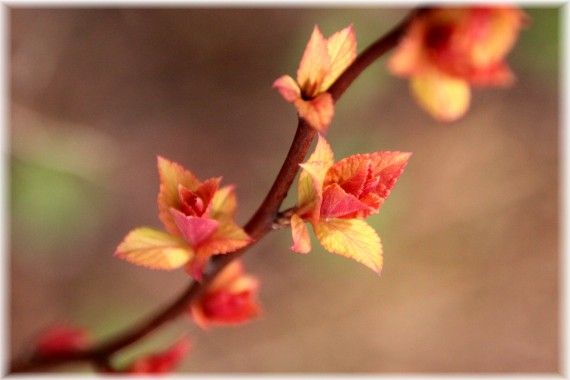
314 65
501 24
154 249
341 47
228 237
172 175
351 238
301 239
318 112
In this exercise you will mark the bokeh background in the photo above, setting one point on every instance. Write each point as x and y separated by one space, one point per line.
471 231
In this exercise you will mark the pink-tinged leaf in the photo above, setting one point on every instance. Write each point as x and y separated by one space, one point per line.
444 97
228 237
60 339
172 175
195 230
154 249
300 232
314 65
288 88
341 47
163 362
388 166
337 203
351 238
318 112
224 203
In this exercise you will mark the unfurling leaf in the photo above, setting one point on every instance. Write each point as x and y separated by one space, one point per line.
335 198
198 217
324 60
172 175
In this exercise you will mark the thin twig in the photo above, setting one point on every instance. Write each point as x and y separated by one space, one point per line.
258 226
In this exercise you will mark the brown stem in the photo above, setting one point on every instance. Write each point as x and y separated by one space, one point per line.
258 225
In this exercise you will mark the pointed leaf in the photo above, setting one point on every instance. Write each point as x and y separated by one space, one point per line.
362 173
172 175
154 249
444 97
350 173
300 232
194 229
351 238
314 65
342 52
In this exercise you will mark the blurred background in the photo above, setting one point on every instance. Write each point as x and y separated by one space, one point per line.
471 231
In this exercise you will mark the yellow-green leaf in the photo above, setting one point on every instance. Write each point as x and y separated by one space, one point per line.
224 203
342 52
444 97
154 249
310 185
351 238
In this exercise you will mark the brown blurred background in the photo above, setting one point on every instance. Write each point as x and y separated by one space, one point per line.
471 231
